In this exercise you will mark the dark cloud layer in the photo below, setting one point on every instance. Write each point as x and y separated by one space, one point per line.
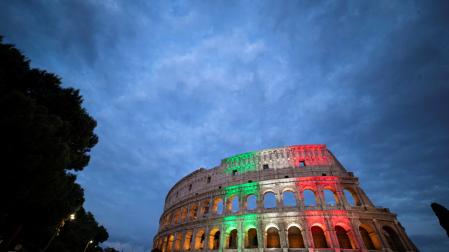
176 85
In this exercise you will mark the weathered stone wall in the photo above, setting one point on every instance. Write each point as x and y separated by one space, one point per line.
192 219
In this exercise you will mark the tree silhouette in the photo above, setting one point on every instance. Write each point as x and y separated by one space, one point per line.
442 214
45 135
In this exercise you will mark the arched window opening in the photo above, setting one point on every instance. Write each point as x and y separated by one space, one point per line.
329 198
251 202
171 238
319 239
289 199
205 207
199 240
273 240
214 239
343 238
367 240
295 239
393 239
232 244
188 240
183 214
309 198
269 200
176 218
193 212
251 239
218 206
349 197
178 241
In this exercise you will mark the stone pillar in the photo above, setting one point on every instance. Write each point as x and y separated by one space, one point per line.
183 240
240 243
260 236
206 237
222 238
279 199
355 223
304 232
320 198
331 234
192 242
380 234
282 237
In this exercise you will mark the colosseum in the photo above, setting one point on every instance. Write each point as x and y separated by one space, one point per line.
297 198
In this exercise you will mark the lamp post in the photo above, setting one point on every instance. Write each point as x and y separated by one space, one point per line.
71 217
87 245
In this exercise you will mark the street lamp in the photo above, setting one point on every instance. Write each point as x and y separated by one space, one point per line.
71 217
87 244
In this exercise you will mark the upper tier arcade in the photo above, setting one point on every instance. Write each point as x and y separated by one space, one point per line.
292 161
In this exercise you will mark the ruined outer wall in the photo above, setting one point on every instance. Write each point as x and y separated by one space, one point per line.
192 219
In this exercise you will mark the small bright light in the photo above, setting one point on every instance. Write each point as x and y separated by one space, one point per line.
91 241
72 216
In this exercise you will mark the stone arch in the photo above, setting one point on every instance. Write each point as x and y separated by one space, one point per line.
233 204
309 197
269 200
183 214
272 238
294 235
343 238
251 238
200 238
205 204
369 237
251 202
289 198
214 239
319 238
170 240
393 239
177 216
164 244
350 193
187 240
193 212
330 197
217 207
232 239
177 246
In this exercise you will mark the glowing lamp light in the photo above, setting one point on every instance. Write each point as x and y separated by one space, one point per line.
91 241
72 216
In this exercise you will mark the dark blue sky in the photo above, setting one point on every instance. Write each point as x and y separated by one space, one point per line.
179 85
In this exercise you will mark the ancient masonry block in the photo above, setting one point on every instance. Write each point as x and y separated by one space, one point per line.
297 198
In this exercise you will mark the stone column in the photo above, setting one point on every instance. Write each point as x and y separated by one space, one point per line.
183 240
355 223
240 243
331 234
260 236
304 232
192 242
380 234
206 237
282 237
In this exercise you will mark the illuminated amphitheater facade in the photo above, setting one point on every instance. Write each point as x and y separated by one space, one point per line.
297 198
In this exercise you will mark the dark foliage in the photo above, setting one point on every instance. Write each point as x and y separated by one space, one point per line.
45 136
443 215
75 235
